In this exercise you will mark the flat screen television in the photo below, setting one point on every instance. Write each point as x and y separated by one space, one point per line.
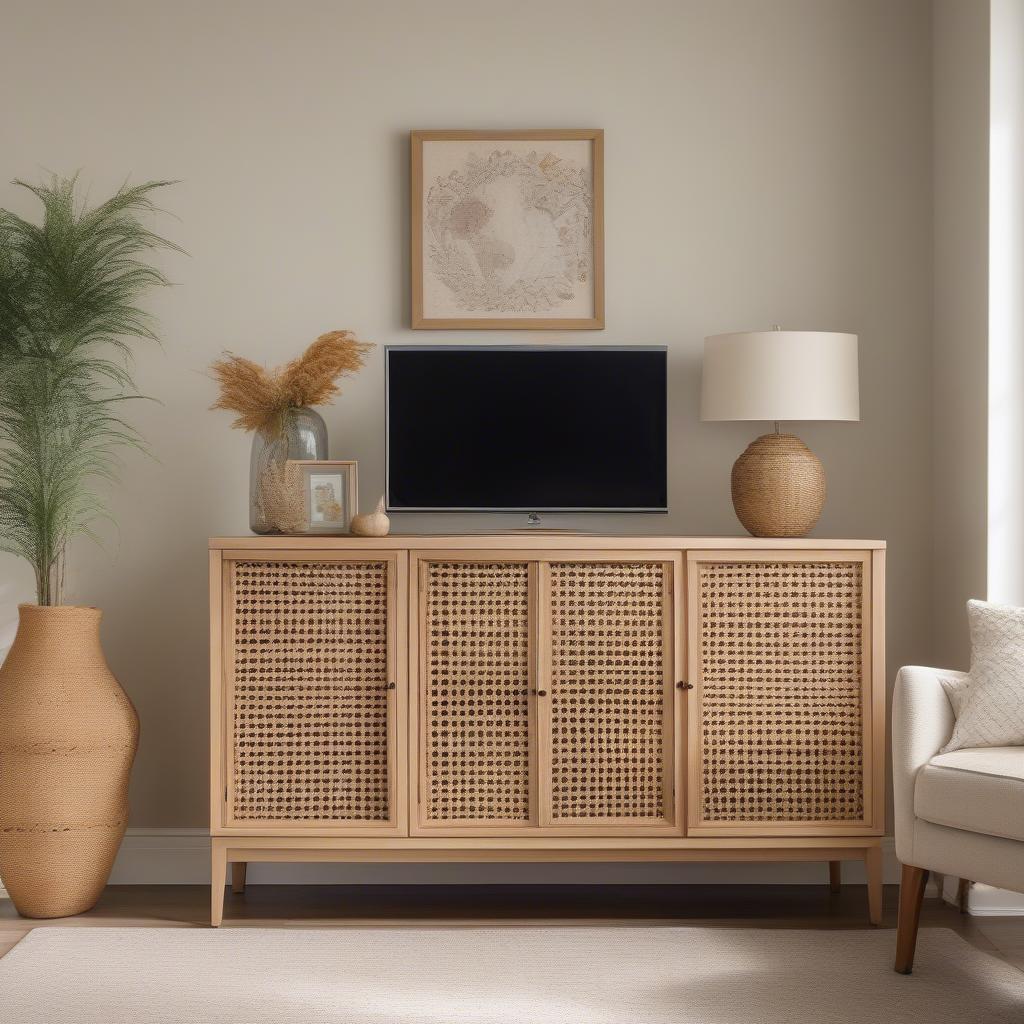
526 429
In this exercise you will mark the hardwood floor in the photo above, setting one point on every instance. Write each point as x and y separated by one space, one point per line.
307 906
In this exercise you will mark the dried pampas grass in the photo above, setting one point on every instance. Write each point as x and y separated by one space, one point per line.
261 396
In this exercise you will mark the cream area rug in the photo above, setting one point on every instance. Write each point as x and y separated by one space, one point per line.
508 975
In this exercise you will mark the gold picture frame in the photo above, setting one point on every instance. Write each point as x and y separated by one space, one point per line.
477 250
330 494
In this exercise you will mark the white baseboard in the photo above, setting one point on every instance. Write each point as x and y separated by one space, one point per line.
985 900
161 856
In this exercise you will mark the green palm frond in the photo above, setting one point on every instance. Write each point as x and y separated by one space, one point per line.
69 292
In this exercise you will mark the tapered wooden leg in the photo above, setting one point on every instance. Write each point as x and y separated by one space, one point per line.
912 885
218 879
963 890
873 867
238 876
835 875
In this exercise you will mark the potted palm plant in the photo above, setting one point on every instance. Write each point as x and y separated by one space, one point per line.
69 292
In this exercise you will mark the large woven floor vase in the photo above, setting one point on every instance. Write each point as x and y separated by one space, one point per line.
68 736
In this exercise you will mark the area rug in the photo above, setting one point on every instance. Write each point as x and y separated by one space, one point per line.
508 975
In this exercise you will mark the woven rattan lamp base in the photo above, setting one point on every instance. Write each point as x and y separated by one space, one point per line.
778 487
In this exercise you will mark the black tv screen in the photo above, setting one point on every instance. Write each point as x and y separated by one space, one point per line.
526 429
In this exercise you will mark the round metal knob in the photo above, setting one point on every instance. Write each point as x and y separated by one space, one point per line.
684 686
541 693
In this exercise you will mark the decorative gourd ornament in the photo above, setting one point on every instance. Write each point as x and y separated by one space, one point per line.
374 524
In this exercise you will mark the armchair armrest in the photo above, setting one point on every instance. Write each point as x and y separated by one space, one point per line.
922 722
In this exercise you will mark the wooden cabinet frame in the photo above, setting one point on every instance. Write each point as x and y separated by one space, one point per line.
684 837
541 821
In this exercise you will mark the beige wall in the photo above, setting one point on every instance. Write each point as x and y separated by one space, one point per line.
768 161
959 510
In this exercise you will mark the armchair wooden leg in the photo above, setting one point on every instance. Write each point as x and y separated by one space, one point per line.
835 875
238 876
912 885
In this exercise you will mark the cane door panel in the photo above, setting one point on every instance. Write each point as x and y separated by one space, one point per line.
780 719
608 655
476 673
314 693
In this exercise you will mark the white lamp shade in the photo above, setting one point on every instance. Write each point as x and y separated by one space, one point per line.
780 375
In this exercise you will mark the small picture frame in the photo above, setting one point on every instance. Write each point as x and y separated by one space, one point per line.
330 495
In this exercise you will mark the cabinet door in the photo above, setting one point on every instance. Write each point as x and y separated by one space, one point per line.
606 664
313 693
476 752
545 696
780 725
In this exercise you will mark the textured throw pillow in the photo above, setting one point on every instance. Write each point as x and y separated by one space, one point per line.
989 703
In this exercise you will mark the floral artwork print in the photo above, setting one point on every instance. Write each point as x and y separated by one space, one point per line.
508 231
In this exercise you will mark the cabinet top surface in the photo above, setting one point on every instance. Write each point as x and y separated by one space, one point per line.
537 540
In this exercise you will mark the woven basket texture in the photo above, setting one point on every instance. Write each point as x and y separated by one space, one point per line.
309 700
780 716
68 736
778 487
607 690
477 692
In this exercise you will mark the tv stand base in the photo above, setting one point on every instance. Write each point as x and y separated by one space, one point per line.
236 850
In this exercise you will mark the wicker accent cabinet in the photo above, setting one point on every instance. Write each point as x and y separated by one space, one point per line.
546 697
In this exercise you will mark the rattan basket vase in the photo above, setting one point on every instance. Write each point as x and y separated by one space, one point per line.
68 736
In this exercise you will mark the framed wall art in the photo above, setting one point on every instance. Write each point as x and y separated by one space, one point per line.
329 494
508 230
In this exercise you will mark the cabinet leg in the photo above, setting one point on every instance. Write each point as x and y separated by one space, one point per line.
835 875
218 879
238 876
873 867
912 885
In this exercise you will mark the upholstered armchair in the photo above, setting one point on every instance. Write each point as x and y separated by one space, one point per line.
960 814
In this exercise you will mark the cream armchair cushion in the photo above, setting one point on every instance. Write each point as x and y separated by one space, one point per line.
980 790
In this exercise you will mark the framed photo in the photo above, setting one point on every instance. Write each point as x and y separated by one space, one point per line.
508 230
330 494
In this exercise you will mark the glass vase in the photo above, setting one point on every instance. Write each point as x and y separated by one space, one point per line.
275 496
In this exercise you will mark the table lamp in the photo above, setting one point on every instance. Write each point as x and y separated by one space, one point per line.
778 483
